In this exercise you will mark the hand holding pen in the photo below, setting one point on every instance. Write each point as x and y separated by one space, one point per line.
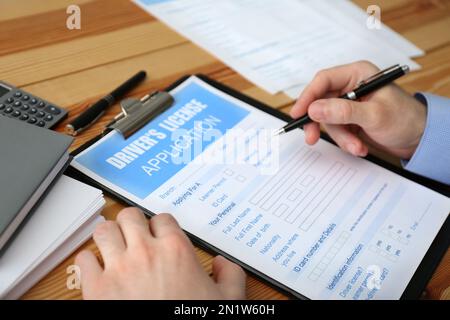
388 118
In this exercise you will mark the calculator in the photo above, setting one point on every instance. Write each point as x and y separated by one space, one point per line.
23 106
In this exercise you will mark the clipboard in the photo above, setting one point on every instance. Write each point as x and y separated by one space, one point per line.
422 274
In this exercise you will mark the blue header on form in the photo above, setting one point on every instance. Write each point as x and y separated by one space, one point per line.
132 164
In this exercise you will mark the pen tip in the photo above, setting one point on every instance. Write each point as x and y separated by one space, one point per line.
405 68
279 132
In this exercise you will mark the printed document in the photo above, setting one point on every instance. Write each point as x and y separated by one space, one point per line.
315 219
281 44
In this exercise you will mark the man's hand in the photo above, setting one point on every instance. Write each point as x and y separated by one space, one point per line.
153 260
389 118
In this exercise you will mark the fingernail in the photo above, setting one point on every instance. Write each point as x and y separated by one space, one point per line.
316 111
352 148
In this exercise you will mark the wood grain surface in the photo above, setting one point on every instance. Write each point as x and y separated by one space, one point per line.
73 68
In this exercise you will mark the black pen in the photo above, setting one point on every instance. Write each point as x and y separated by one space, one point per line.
367 86
93 113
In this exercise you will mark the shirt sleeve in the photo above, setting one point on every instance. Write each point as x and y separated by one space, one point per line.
432 156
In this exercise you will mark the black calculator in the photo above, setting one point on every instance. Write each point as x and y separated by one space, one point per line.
23 106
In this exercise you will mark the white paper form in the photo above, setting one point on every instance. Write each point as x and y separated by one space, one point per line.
323 223
295 91
351 17
274 44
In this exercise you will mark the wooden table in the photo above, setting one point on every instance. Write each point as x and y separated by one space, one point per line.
73 68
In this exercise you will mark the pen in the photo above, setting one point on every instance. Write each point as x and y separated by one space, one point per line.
94 112
367 86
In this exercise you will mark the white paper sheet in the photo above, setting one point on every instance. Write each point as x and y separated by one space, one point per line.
295 91
274 44
55 258
316 219
352 17
60 216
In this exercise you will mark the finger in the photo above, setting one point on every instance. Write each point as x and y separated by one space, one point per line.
164 224
312 133
229 277
134 226
342 111
340 79
109 241
90 269
347 140
331 94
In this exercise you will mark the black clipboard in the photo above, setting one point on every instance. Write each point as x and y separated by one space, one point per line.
421 276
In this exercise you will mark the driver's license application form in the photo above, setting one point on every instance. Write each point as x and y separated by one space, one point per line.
320 222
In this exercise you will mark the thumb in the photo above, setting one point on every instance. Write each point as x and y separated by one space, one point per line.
229 277
342 111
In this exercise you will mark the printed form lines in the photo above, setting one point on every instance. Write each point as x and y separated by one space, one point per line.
327 197
318 198
279 178
303 189
320 268
289 183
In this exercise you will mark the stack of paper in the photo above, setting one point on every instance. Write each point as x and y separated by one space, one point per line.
64 220
280 45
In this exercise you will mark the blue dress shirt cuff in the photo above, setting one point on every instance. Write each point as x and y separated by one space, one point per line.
432 156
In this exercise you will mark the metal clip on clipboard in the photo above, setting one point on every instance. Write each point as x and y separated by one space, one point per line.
137 113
